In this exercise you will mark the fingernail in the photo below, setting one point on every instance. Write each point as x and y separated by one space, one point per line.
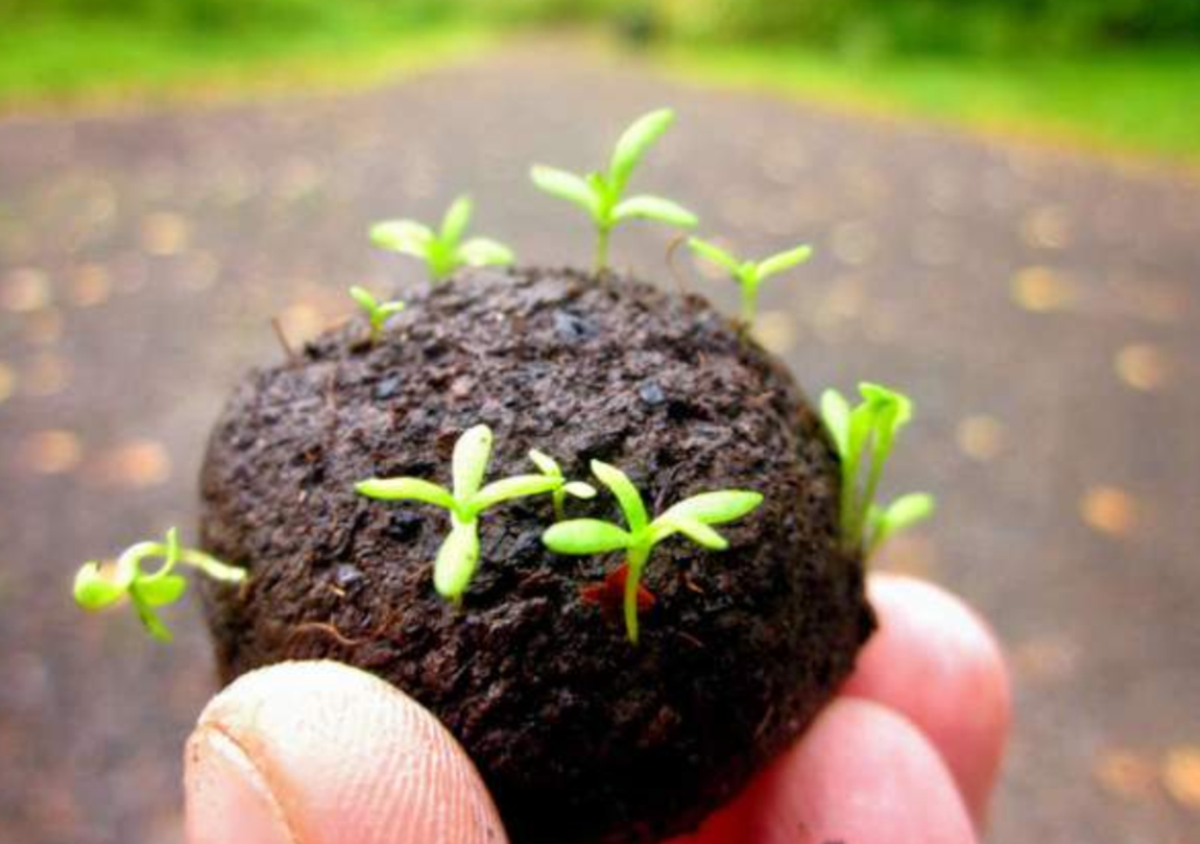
228 799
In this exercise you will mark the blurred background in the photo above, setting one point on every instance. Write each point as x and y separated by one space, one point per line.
1003 195
1114 74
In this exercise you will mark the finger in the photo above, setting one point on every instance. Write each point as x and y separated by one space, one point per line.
320 753
862 774
934 661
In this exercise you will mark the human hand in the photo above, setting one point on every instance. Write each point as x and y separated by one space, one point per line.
318 753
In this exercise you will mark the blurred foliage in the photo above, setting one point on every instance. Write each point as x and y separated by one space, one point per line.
1111 73
978 26
855 26
110 58
1139 101
215 16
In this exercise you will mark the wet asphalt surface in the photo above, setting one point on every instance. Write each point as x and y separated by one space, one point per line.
1042 310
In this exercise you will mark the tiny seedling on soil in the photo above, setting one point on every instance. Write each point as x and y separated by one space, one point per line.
864 437
96 589
549 467
692 517
458 557
600 194
750 274
378 313
442 251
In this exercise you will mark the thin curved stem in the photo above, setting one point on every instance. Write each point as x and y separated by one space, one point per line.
211 566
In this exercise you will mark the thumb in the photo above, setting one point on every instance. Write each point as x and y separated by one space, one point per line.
320 753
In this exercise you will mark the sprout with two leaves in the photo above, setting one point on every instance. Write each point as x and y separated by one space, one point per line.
458 557
96 589
864 437
549 467
378 313
750 274
691 517
601 194
442 251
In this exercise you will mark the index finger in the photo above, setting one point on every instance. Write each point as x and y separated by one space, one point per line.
935 661
909 749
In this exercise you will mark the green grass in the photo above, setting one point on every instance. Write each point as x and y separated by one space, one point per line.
1134 102
71 61
1138 103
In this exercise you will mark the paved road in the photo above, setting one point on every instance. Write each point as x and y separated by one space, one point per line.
1043 310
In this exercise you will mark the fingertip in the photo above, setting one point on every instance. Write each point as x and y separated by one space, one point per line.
321 753
225 789
937 662
861 774
866 774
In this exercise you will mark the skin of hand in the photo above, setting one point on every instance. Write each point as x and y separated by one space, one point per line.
320 753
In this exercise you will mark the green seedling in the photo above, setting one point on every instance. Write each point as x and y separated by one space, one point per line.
864 437
458 557
96 589
549 467
692 517
600 194
750 274
442 251
378 313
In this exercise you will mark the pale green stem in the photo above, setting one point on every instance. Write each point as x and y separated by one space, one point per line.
878 458
849 503
749 301
876 540
637 561
882 440
210 566
602 236
442 261
129 564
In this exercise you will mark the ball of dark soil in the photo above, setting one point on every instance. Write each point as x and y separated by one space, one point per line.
581 736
